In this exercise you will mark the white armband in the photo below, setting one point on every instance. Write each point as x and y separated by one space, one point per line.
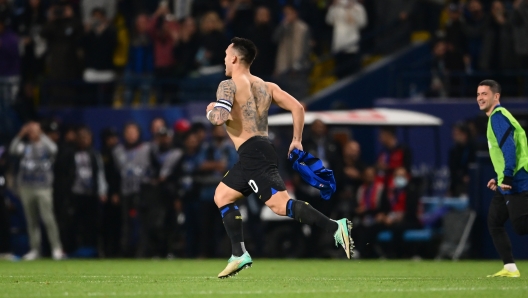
224 104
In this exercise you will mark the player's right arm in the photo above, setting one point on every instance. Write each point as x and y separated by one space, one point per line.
218 112
288 102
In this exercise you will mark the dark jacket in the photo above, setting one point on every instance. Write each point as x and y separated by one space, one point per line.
9 57
497 47
99 49
185 55
264 63
460 157
69 167
215 43
63 37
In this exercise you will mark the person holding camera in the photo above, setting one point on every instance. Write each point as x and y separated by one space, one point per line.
36 153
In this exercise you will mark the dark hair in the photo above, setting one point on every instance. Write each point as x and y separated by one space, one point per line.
246 48
196 126
99 10
108 132
132 124
158 118
290 5
187 135
389 129
493 85
463 127
83 128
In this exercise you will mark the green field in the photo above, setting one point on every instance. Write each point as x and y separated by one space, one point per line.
267 278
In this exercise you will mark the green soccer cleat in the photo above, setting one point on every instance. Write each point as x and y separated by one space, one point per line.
342 236
235 265
506 273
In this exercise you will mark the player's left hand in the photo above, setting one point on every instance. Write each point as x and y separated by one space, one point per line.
505 187
295 145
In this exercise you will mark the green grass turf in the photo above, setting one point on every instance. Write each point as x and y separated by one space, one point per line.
267 278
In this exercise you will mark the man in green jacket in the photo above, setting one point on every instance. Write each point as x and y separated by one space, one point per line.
509 154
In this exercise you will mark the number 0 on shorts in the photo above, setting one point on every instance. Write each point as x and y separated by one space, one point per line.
253 185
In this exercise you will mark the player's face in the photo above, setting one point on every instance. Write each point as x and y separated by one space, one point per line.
486 99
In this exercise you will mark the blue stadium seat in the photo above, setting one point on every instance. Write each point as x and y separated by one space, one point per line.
422 235
384 236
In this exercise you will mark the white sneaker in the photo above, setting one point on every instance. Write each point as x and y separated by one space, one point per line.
58 255
32 255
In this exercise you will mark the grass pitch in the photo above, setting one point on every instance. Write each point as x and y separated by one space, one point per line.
267 278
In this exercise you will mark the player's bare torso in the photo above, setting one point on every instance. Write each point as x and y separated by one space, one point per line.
249 115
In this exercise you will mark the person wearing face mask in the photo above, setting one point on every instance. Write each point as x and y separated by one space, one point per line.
403 196
215 158
393 155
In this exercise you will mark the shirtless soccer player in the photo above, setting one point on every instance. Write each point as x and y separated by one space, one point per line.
242 103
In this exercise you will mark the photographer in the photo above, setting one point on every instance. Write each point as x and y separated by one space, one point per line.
35 175
88 186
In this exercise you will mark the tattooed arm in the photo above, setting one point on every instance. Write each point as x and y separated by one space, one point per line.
288 102
218 112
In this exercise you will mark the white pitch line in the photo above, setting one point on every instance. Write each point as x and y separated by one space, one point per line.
117 278
272 292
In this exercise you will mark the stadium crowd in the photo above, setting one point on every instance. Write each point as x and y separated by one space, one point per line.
131 198
481 37
125 52
155 198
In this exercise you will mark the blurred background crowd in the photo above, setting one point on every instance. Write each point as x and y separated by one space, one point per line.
123 52
154 198
126 191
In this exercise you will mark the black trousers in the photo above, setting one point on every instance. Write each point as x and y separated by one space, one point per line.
130 222
154 215
4 227
502 207
85 220
111 229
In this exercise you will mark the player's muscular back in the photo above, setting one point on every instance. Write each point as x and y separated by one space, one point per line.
251 104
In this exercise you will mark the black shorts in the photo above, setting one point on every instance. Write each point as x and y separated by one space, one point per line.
256 170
